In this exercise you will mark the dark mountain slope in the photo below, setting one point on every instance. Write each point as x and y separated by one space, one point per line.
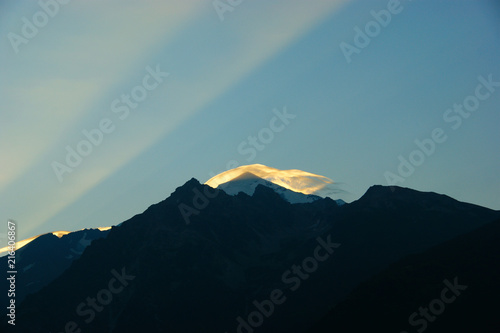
385 302
45 258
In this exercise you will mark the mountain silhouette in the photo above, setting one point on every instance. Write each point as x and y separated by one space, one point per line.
45 258
156 273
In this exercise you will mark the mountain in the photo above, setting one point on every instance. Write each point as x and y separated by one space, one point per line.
244 263
247 182
295 186
294 180
20 244
391 300
46 257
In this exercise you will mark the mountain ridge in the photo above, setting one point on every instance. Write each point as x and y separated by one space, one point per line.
235 251
47 257
247 183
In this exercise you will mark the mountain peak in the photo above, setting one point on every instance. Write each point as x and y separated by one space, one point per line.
249 179
246 175
186 189
388 196
292 179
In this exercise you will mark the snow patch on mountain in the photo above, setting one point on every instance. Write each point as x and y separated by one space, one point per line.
295 186
248 182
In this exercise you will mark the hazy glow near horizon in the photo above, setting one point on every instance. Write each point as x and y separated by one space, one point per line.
295 180
25 242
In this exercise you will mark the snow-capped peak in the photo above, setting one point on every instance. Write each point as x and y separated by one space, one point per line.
295 186
248 182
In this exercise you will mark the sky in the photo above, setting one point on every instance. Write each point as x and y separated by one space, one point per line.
107 107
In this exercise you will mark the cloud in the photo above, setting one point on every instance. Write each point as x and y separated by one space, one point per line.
295 180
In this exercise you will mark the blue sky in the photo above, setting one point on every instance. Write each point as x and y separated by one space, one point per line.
226 79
